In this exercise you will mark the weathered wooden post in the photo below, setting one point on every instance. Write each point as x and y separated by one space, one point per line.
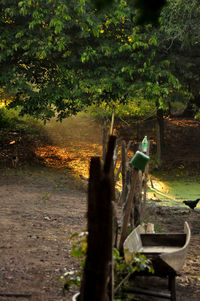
124 172
97 277
112 122
128 209
120 167
146 172
139 162
104 139
135 218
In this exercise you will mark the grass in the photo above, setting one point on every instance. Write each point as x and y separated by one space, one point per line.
173 189
11 120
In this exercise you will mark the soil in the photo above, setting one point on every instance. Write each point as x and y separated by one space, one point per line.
44 203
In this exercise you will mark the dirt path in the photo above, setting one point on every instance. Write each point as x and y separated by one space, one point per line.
40 209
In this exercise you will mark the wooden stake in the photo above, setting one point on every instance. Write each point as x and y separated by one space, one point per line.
104 140
123 169
146 172
97 278
128 209
112 122
120 167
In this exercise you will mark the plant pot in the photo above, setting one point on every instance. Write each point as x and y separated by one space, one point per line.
76 297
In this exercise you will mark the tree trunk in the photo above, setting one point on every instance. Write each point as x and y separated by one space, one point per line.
189 110
160 133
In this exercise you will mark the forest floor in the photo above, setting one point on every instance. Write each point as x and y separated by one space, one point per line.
42 204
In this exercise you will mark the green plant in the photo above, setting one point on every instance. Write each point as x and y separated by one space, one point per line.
10 119
197 116
123 269
135 108
79 247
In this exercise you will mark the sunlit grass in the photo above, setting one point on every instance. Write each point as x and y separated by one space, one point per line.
173 192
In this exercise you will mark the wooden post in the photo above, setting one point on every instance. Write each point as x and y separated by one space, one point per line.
120 167
146 172
123 165
160 132
172 286
112 122
158 141
104 139
136 208
128 209
136 201
115 155
98 266
109 172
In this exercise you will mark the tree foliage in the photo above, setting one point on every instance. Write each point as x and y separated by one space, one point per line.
58 56
40 44
179 39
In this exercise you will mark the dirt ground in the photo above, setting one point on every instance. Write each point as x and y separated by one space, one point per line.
40 208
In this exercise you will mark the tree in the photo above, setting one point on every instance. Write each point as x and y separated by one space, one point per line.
179 40
62 57
37 38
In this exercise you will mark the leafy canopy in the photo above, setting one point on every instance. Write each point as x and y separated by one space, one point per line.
58 57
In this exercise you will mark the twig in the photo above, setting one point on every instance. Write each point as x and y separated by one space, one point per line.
15 295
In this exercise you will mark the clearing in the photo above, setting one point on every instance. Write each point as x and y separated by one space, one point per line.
44 204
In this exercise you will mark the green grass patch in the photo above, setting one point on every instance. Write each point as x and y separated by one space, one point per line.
11 120
173 189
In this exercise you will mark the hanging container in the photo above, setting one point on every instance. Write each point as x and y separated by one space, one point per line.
139 160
